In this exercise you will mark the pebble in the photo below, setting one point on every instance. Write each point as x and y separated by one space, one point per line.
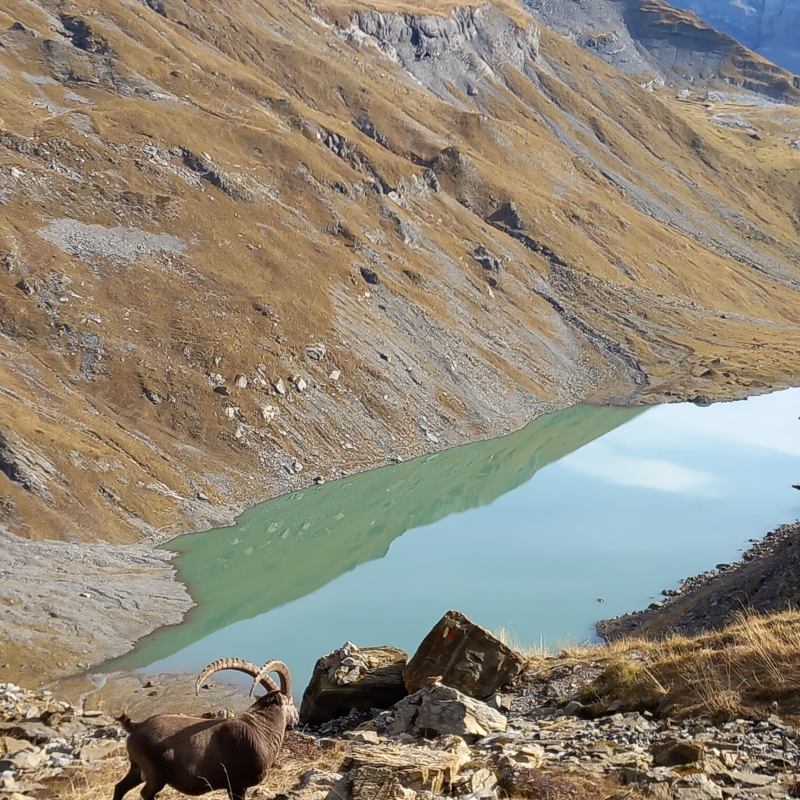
268 412
41 737
316 352
692 759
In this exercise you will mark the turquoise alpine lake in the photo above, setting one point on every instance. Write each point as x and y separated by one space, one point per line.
585 513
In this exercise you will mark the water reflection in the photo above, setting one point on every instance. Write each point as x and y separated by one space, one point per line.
290 547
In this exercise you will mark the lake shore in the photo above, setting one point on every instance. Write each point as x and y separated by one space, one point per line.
91 604
765 580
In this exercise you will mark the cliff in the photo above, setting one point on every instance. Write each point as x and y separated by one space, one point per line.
767 26
679 48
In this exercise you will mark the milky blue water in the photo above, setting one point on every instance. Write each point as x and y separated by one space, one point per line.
526 532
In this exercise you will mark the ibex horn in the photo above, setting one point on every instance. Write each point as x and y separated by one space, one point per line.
283 673
239 664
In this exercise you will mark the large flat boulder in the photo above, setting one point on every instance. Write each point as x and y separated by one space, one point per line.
316 785
461 654
439 710
411 767
352 677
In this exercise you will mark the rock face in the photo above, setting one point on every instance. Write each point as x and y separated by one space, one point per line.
650 37
448 54
25 465
350 678
464 655
439 710
767 26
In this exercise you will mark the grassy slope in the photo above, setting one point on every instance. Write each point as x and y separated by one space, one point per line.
680 237
749 669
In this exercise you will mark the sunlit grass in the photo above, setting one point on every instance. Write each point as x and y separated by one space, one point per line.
750 668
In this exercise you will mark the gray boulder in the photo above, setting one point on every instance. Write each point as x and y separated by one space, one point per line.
439 710
352 677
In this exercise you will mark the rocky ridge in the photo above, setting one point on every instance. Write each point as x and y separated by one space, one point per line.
667 46
764 25
764 581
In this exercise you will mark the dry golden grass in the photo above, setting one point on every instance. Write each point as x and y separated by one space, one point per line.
532 653
748 669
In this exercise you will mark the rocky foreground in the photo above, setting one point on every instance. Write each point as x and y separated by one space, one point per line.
42 737
557 729
47 742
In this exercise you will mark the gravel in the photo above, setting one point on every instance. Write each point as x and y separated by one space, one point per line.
88 241
89 597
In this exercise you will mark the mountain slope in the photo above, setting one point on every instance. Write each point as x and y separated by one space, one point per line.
767 26
245 245
658 42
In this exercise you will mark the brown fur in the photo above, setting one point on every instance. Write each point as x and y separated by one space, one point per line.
195 755
125 721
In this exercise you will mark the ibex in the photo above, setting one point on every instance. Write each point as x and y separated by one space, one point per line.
196 756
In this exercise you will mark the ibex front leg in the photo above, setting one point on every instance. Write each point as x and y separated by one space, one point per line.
130 781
